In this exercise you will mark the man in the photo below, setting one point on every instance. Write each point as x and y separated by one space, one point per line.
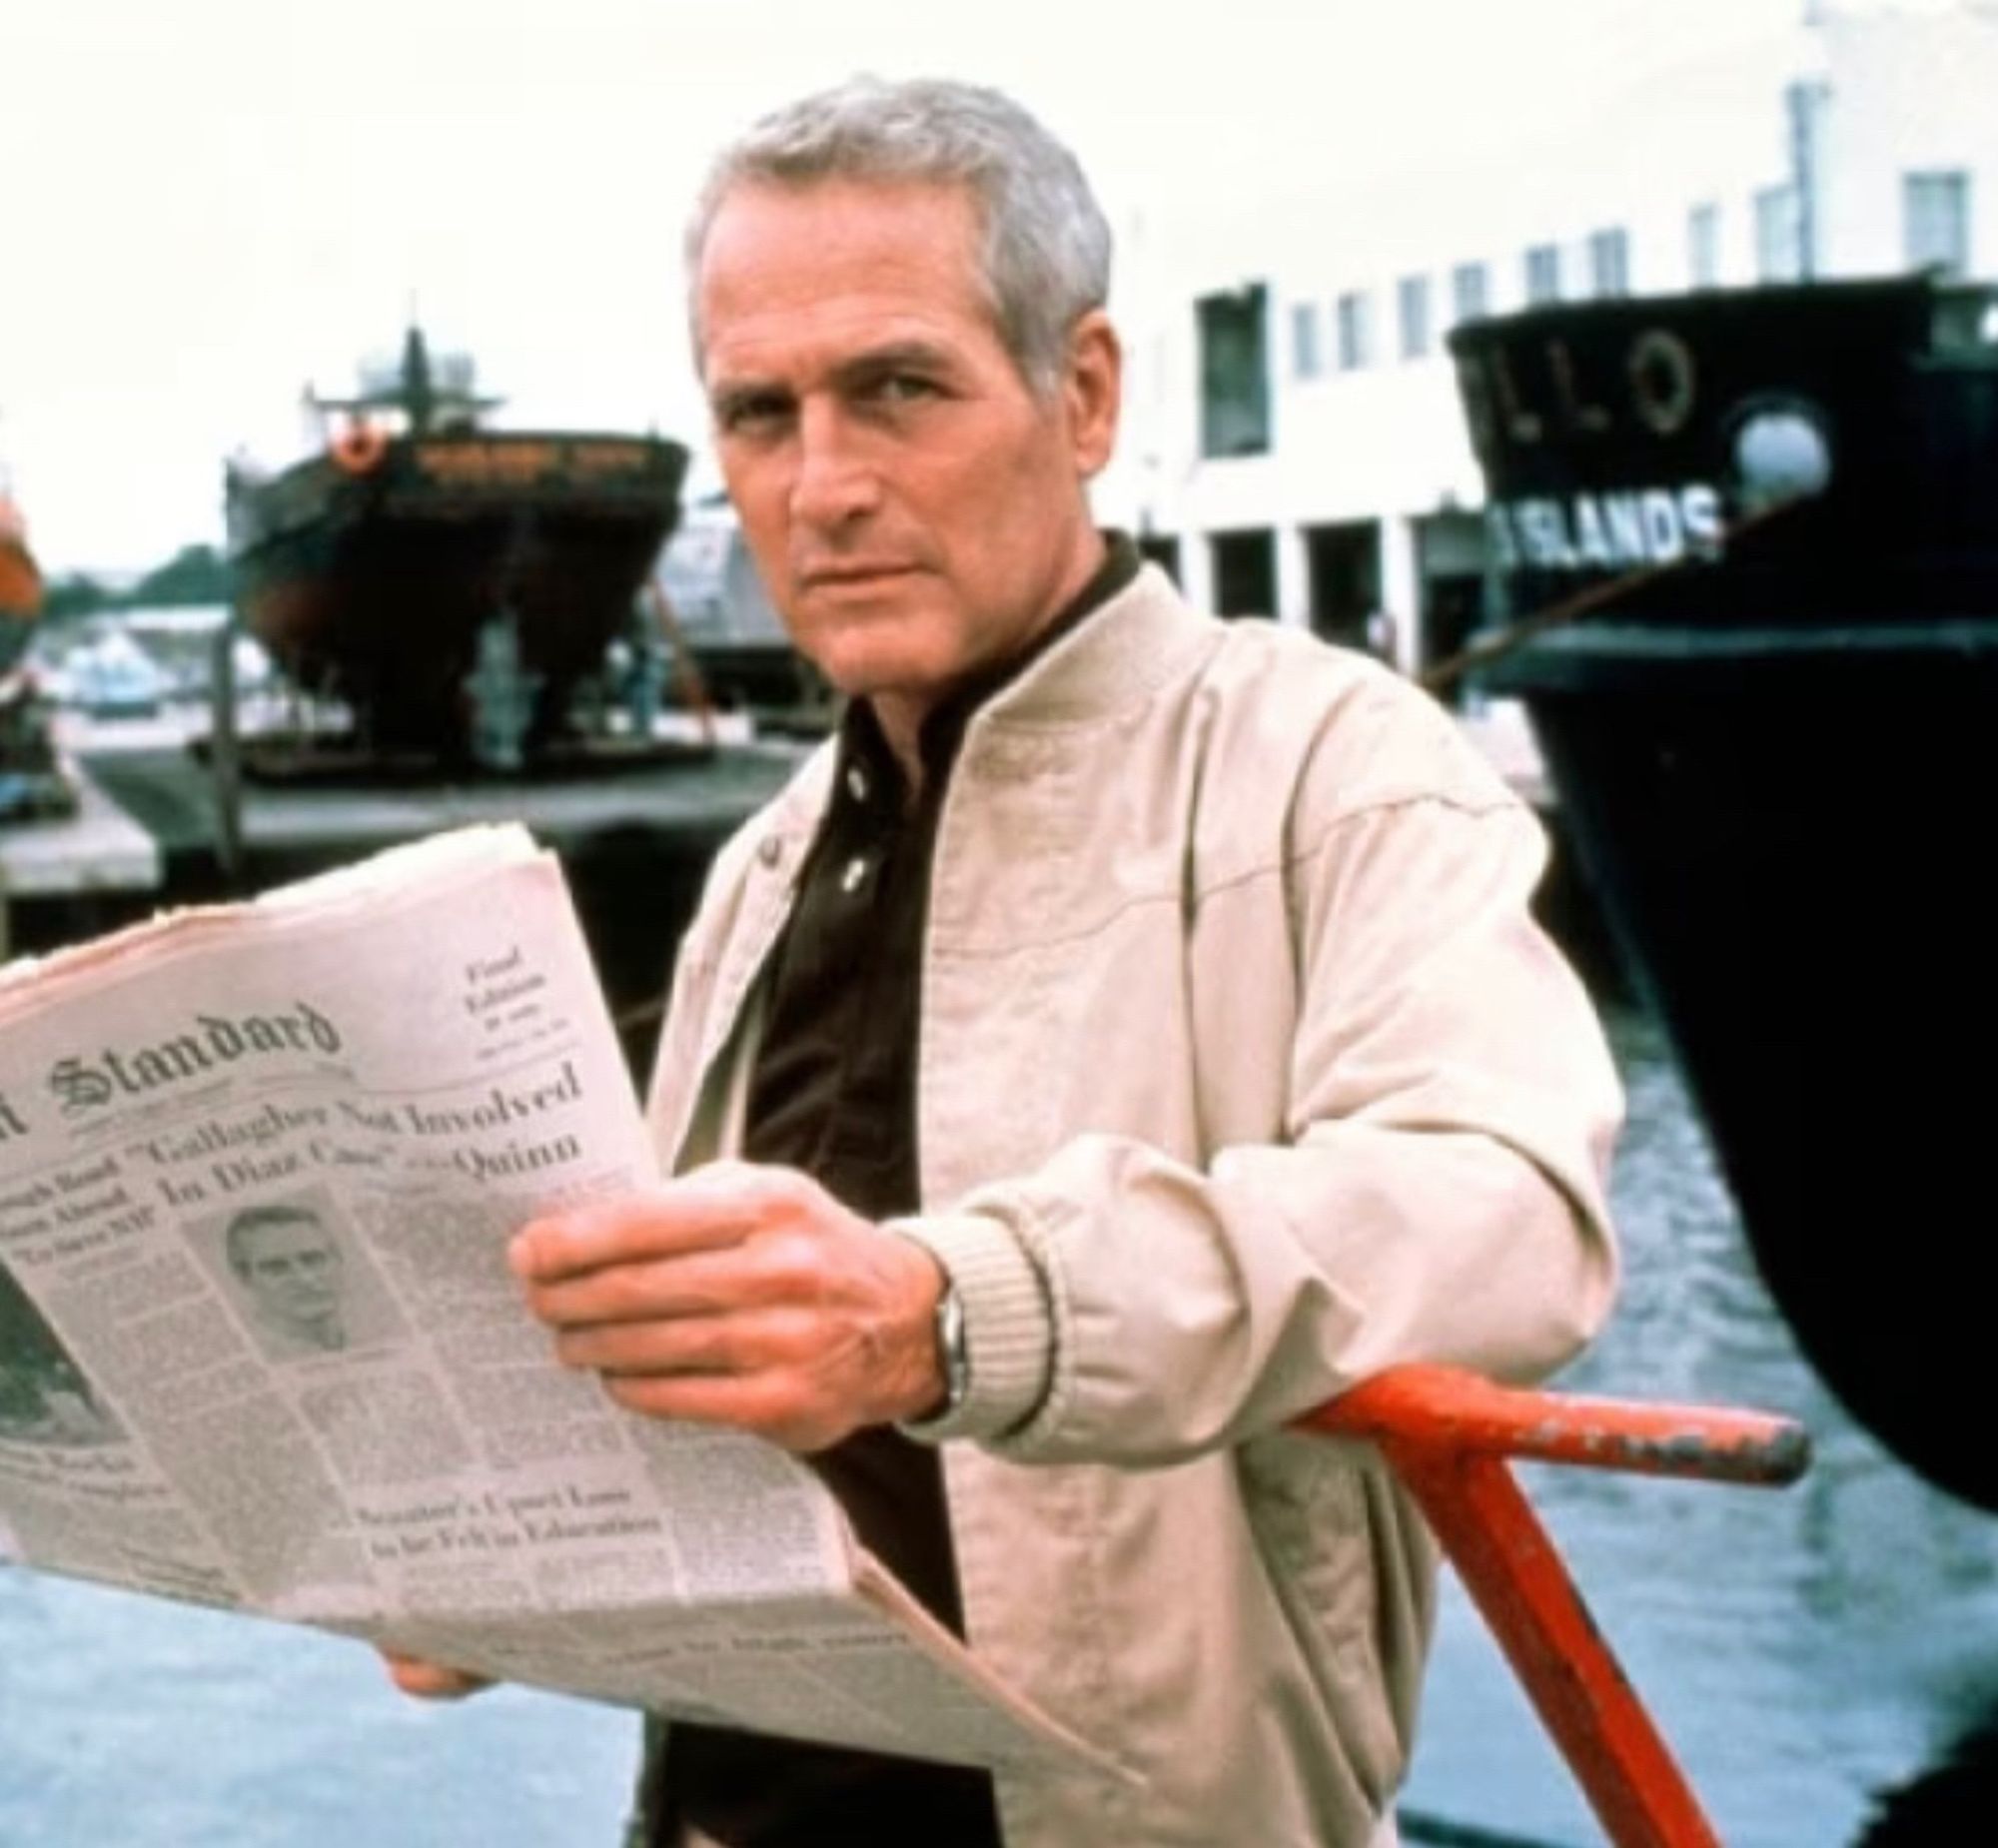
291 1271
1129 1032
1382 641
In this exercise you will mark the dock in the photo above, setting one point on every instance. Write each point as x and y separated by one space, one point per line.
635 838
76 861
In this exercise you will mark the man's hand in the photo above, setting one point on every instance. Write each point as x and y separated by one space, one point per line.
741 1295
430 1680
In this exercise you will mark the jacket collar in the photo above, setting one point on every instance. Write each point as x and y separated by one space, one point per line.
1143 637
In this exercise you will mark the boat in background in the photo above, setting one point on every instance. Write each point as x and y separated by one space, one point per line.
114 677
724 617
1773 737
20 584
32 781
448 582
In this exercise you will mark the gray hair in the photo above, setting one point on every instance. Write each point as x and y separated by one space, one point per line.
1045 258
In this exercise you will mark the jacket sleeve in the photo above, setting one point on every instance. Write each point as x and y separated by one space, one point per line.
1437 1193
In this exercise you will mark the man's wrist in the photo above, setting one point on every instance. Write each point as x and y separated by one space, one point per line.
1008 1327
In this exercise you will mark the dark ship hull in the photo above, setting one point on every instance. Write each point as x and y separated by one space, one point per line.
369 572
1772 738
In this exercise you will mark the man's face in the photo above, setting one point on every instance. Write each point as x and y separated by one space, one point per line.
915 508
292 1271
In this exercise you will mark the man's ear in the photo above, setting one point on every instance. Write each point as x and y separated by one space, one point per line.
1093 389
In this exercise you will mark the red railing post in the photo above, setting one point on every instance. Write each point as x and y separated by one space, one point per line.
1450 1436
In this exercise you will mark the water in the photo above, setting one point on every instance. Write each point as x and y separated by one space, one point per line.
129 1723
1802 1648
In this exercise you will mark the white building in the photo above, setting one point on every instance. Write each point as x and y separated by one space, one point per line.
1294 442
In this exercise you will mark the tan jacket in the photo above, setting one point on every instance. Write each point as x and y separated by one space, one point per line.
1244 1073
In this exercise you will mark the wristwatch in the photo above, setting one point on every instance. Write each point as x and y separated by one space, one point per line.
952 1353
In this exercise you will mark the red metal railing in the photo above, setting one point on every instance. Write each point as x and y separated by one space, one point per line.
1450 1436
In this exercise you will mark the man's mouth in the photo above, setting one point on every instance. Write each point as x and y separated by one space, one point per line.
849 575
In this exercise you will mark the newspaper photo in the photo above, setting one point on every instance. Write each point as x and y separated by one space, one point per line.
259 1348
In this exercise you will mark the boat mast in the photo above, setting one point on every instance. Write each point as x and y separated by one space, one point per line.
420 399
431 398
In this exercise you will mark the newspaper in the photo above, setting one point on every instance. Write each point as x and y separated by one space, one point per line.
260 1349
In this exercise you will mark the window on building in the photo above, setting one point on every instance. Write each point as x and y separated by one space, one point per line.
1609 262
1234 373
1245 571
1356 331
1779 254
1704 246
1303 339
1469 291
1344 564
1544 273
1935 221
1411 296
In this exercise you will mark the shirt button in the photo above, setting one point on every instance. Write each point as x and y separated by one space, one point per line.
856 782
856 870
769 850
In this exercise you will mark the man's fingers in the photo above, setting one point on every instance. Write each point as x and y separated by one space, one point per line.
708 1210
657 1224
697 1285
764 1406
428 1680
742 1295
766 1340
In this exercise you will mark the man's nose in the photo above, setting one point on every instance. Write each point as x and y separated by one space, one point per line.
835 482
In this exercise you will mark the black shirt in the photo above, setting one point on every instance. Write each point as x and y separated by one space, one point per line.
834 1093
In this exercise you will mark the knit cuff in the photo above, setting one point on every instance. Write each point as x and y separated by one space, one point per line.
1008 1332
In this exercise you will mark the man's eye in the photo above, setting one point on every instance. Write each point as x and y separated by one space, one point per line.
748 415
904 388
